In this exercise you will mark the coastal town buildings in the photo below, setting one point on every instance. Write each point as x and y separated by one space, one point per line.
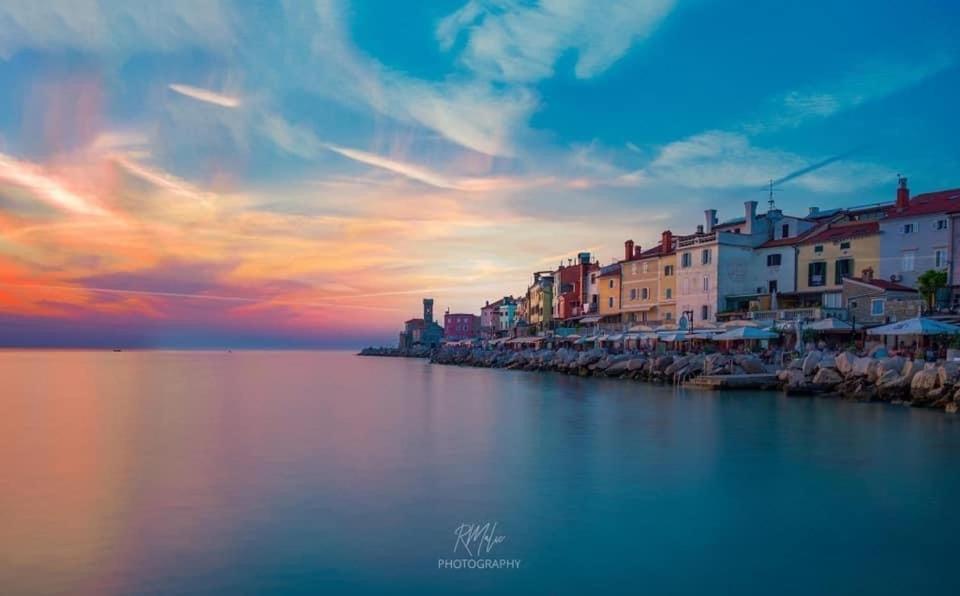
570 287
422 331
458 326
540 301
917 234
832 253
608 294
871 301
858 263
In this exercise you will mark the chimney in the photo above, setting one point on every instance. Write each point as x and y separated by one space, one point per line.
711 217
903 193
750 215
636 251
666 241
700 229
868 274
628 250
814 211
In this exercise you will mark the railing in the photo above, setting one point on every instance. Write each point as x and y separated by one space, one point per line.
696 240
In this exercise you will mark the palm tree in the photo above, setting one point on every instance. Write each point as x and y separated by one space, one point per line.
929 282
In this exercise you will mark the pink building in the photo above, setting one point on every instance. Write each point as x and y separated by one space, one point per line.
457 326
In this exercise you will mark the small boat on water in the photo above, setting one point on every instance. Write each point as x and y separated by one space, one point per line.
117 350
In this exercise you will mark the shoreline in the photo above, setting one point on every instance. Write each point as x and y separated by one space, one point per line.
844 375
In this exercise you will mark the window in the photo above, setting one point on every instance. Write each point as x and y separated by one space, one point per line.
611 283
818 248
610 301
817 274
736 230
706 284
940 257
686 260
706 257
908 228
877 306
646 267
668 271
844 245
941 224
668 316
685 286
633 293
644 294
704 312
785 231
772 286
668 293
833 299
593 278
909 260
774 260
843 268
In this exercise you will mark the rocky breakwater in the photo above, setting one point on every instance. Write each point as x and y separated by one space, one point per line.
597 362
414 352
892 379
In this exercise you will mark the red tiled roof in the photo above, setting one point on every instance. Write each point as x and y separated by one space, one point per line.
654 252
942 201
842 231
884 284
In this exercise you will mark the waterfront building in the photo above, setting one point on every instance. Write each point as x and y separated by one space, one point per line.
834 252
458 326
422 331
570 288
648 282
917 234
540 300
508 316
715 265
491 313
870 302
608 291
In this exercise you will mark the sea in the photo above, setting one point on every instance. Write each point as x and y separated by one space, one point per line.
153 472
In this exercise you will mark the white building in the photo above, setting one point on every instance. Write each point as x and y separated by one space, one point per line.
917 234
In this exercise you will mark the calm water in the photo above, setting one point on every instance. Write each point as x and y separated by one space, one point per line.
201 473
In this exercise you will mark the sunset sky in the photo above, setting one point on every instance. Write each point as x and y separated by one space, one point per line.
197 173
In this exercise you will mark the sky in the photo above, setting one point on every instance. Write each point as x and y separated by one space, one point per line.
214 173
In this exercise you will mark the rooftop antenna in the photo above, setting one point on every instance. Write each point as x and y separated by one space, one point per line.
770 202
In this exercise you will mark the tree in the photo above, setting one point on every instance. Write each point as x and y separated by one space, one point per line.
929 282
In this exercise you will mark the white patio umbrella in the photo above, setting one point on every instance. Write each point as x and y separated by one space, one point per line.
742 333
916 326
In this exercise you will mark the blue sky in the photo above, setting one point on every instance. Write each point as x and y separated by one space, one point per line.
367 153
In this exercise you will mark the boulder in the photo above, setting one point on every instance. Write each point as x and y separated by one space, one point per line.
827 362
844 362
895 364
810 362
949 372
861 366
751 364
923 383
793 377
827 377
635 364
618 368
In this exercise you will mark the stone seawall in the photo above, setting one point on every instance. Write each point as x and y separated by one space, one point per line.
844 374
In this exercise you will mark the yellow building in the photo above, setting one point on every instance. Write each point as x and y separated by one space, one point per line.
540 300
648 284
608 290
840 250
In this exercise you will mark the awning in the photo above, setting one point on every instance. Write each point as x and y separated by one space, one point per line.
590 319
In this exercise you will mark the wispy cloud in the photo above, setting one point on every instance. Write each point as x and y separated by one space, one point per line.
720 160
206 95
867 83
507 41
46 187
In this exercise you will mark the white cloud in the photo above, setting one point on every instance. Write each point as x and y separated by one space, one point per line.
722 160
47 188
507 41
870 82
92 25
206 95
